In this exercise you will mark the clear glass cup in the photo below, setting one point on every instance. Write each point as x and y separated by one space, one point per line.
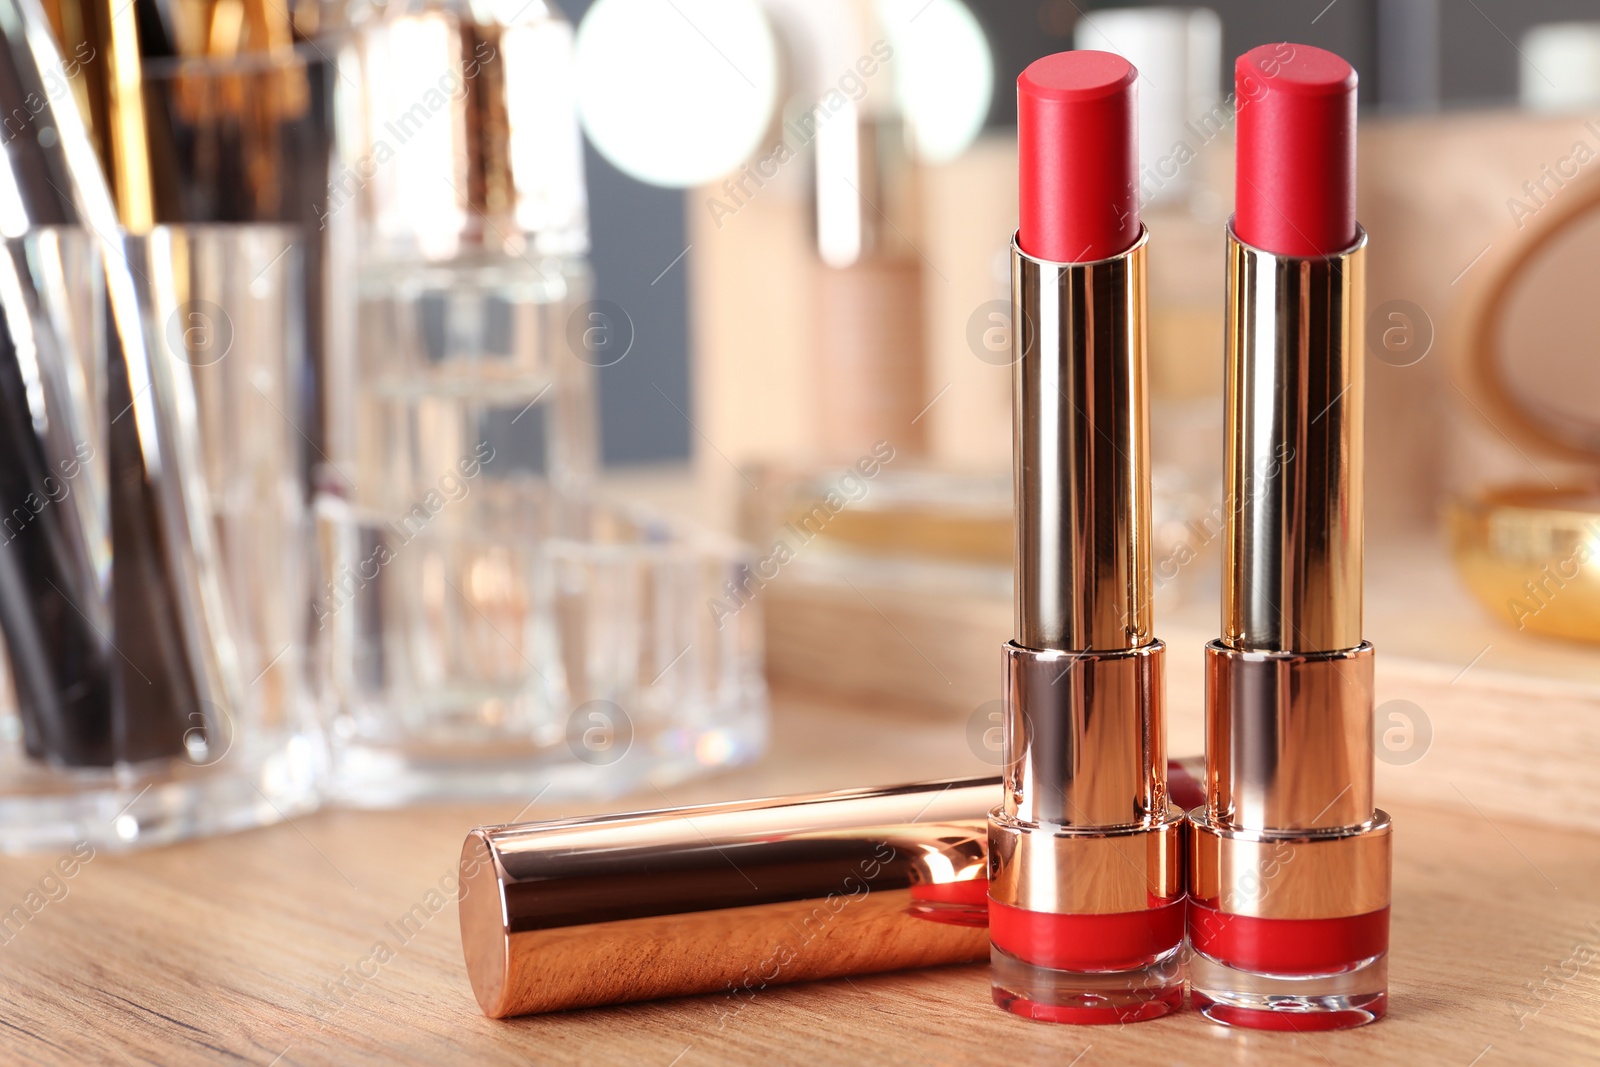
525 643
225 366
234 321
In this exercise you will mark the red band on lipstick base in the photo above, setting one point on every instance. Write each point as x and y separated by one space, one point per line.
1296 975
1116 942
1288 946
1087 969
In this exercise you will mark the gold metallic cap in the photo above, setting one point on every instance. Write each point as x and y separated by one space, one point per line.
478 112
725 898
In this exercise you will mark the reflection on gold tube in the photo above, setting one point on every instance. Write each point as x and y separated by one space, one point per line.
1082 453
1293 450
727 898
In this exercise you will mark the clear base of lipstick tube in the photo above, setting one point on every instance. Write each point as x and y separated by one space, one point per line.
1087 998
1353 996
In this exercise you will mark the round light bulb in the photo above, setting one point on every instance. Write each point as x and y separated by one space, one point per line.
676 92
944 73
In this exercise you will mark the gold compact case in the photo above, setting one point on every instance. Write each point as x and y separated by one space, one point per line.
1532 555
1530 552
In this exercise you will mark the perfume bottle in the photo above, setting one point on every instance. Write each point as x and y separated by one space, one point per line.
466 167
463 413
489 626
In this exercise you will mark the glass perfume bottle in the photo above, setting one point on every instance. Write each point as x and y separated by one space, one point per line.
490 627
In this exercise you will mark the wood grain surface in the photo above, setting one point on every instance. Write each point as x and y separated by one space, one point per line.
283 946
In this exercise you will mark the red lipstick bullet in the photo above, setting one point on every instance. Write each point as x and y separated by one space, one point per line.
1295 185
1077 157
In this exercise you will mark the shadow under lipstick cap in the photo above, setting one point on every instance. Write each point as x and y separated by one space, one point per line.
727 898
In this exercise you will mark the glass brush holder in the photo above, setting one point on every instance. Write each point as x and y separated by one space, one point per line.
179 617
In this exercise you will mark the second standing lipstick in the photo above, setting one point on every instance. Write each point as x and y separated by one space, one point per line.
1290 862
1085 897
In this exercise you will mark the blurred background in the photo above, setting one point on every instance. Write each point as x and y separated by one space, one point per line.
1414 58
419 415
546 395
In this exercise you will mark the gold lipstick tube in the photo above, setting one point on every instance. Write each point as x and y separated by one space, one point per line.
627 907
1290 862
724 898
1085 850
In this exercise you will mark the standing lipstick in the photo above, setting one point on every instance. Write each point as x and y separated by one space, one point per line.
1290 861
1085 897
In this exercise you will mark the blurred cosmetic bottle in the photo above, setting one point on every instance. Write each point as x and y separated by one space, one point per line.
490 626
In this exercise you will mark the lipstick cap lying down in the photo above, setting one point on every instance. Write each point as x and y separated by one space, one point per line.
732 898
726 897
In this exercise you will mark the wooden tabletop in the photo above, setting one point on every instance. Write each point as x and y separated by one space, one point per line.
262 948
